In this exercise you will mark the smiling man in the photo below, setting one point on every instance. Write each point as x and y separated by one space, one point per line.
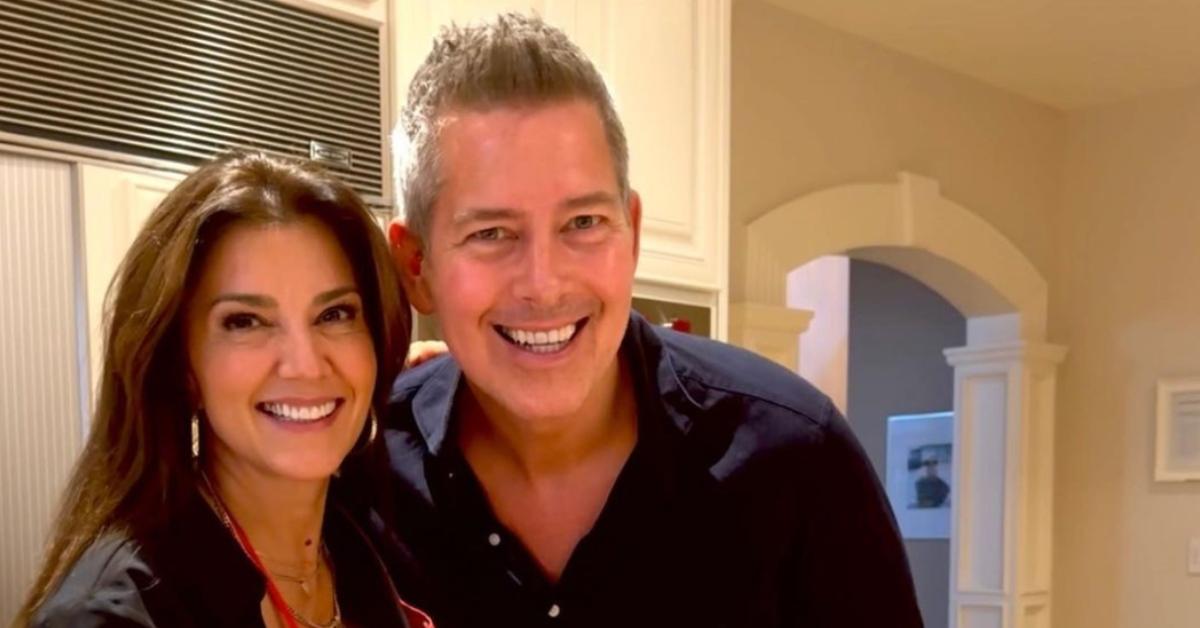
569 463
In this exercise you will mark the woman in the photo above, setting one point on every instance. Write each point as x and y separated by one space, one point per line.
253 331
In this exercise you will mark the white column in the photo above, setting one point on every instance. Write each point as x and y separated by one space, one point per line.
1003 478
772 331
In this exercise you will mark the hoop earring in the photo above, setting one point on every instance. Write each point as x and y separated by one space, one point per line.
195 437
374 427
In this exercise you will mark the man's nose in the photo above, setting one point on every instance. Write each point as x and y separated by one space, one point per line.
301 356
541 272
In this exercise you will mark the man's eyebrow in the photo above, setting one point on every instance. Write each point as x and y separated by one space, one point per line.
479 214
587 200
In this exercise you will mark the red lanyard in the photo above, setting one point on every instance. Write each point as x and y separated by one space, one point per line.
281 605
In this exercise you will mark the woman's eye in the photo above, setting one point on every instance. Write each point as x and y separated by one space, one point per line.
339 314
241 322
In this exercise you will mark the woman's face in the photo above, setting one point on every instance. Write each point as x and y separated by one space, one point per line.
279 351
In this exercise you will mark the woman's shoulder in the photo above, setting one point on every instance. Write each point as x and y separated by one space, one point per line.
103 588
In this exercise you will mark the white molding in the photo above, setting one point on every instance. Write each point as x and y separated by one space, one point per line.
909 213
771 331
998 356
1003 467
361 12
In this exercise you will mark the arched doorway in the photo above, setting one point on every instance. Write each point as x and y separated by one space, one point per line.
1004 375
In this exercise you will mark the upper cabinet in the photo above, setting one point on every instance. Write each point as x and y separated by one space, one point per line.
114 203
370 12
667 65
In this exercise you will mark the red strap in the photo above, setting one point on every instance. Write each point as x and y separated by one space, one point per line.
281 607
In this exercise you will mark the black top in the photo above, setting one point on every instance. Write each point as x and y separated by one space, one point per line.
746 502
195 574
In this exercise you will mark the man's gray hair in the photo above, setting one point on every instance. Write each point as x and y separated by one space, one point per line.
513 60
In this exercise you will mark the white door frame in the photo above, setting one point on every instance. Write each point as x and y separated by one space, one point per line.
1004 377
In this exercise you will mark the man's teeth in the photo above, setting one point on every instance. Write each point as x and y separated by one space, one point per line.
541 341
300 413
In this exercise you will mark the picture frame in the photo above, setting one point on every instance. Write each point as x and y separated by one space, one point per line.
920 478
1177 430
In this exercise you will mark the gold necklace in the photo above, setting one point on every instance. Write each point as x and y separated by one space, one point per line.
218 505
305 580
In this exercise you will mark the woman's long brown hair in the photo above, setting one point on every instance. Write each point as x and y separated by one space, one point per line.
135 470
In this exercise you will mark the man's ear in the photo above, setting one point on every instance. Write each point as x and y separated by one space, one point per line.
409 259
635 222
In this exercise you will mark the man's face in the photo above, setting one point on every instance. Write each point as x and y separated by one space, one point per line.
530 259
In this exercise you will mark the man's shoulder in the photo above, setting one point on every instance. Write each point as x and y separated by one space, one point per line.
767 390
435 371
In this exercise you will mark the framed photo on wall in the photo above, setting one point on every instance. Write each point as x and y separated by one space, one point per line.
1177 433
920 481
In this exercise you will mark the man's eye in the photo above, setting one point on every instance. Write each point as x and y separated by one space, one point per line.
491 234
338 314
585 222
241 322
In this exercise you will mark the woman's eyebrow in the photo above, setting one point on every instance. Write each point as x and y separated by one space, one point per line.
263 301
330 295
253 300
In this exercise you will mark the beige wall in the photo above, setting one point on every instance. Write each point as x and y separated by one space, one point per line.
814 108
1105 202
1125 300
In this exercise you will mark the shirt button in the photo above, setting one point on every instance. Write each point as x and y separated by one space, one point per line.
493 539
554 611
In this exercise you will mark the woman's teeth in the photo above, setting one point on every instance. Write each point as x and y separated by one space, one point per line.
288 412
540 341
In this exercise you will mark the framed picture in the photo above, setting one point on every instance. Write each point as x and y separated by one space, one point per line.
1177 438
920 481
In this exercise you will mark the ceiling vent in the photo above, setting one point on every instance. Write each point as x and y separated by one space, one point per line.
182 80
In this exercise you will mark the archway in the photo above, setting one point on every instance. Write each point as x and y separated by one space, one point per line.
1004 376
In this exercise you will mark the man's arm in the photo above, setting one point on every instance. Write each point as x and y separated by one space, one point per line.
851 568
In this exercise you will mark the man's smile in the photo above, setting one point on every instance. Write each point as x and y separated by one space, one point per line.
541 340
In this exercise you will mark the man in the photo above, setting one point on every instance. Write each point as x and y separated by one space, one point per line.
932 490
569 463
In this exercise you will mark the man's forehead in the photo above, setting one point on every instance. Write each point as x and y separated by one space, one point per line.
467 118
586 200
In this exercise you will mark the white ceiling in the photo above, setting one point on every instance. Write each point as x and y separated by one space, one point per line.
1065 53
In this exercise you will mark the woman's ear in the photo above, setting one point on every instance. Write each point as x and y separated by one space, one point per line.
409 258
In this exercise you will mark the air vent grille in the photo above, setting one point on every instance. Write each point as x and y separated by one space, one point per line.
184 79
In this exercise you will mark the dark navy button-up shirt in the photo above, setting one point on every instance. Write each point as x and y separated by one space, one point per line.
746 502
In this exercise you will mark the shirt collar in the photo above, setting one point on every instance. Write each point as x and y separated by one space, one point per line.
433 403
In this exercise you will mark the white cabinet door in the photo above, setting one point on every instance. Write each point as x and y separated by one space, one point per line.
667 65
368 12
666 62
114 203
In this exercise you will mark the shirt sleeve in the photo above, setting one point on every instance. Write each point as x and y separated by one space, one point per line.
101 591
851 568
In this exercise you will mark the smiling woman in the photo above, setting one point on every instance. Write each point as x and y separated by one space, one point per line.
253 328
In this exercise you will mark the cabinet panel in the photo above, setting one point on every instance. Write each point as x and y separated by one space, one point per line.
369 12
114 204
666 63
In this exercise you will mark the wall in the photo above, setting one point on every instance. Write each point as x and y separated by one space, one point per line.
1124 300
1102 201
898 329
846 111
822 287
40 361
